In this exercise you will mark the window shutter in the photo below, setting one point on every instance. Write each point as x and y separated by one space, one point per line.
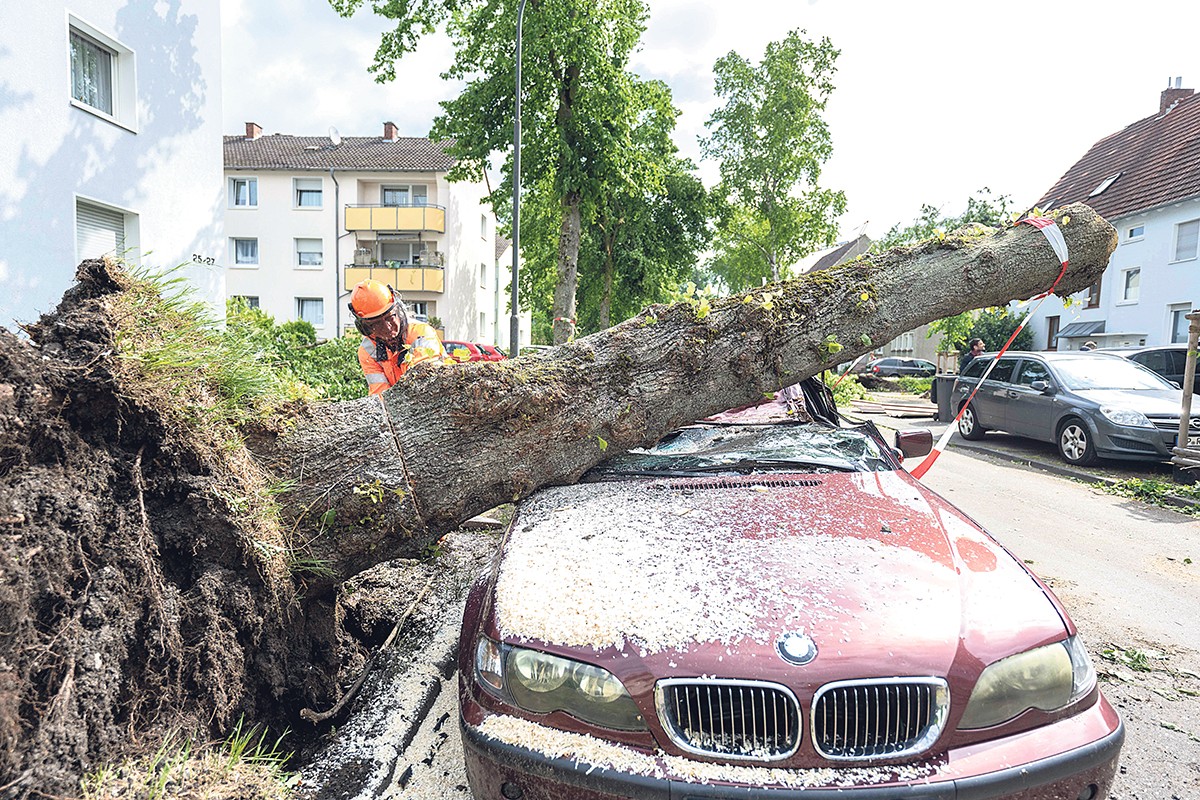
98 230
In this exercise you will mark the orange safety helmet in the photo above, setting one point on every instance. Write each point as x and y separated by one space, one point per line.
370 302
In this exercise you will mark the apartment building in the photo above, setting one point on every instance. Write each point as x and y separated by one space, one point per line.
308 217
111 113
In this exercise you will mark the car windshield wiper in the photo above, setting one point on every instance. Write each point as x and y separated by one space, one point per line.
777 464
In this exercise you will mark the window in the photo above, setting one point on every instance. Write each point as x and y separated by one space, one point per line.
308 192
248 300
1093 300
309 253
1031 371
483 226
402 254
243 192
1136 232
1131 281
976 367
1179 323
245 252
1155 360
1104 184
102 75
482 322
483 276
420 310
1003 371
99 230
1052 326
411 195
1185 240
311 310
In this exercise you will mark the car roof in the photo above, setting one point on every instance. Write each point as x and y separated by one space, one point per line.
1142 348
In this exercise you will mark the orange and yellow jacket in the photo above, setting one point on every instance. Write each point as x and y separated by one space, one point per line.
421 345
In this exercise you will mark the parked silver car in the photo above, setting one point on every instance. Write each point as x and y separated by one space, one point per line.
1088 404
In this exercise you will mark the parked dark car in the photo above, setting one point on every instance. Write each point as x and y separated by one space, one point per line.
1090 404
895 367
771 611
1168 360
464 351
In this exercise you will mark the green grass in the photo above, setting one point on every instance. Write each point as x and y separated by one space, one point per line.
1155 492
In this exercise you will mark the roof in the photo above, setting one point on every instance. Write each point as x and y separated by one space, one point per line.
1081 329
367 153
832 256
1156 159
502 245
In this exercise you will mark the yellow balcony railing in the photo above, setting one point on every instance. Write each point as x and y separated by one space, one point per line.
396 218
402 279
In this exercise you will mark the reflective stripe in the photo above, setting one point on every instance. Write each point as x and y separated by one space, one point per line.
376 377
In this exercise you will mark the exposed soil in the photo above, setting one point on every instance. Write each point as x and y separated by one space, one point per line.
130 600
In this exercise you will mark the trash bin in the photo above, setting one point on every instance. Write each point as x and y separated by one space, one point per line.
943 386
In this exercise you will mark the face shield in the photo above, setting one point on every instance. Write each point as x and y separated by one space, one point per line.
388 326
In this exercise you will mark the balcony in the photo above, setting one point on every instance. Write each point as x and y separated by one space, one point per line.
396 218
403 278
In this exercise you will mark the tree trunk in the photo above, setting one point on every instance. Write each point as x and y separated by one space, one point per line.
446 444
604 315
568 270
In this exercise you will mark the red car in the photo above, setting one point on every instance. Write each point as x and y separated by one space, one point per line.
464 351
491 352
771 611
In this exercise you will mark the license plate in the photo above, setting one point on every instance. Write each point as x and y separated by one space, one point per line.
1193 441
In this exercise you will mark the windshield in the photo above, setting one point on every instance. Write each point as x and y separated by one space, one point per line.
753 448
1107 373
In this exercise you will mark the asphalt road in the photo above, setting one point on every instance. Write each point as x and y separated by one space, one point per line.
1121 568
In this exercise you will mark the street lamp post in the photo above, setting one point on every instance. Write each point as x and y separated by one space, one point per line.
514 330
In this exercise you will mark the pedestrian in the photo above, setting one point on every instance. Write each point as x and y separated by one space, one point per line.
392 345
1087 346
973 351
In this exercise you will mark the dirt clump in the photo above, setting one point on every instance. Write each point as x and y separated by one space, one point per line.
132 600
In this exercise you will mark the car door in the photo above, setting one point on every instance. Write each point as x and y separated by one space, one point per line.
1031 411
992 400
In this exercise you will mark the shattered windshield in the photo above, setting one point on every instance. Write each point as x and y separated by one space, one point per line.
752 448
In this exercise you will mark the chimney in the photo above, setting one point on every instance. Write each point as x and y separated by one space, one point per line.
253 131
1172 95
390 131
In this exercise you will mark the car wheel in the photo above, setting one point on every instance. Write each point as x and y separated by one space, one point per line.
1075 443
968 425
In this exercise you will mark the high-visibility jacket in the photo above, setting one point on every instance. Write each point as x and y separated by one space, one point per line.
421 345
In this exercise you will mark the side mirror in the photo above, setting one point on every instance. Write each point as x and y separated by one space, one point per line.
914 444
1040 386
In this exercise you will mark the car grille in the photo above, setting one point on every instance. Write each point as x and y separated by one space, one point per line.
882 718
751 720
721 483
1171 424
1133 444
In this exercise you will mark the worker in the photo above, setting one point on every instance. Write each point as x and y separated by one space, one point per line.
392 345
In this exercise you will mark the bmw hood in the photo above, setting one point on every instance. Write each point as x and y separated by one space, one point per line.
864 564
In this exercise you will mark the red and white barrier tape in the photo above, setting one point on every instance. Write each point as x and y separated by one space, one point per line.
1054 236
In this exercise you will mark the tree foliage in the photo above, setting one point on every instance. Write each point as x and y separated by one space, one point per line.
771 142
995 325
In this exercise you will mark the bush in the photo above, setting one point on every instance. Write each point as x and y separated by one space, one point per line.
913 385
847 391
328 369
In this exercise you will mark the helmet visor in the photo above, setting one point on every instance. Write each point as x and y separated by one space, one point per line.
387 325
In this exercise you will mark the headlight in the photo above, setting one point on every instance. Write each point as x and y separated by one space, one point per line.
541 683
1048 678
1126 416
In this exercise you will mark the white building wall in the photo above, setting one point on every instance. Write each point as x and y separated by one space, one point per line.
161 162
1166 285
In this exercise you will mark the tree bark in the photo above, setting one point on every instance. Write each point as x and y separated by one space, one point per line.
445 444
568 270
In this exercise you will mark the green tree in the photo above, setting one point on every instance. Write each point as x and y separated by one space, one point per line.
771 142
995 325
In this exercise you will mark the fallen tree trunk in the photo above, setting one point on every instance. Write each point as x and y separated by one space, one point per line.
385 477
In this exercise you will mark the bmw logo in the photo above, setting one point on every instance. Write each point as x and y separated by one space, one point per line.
796 648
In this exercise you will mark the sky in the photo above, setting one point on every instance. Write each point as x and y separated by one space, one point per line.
934 101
